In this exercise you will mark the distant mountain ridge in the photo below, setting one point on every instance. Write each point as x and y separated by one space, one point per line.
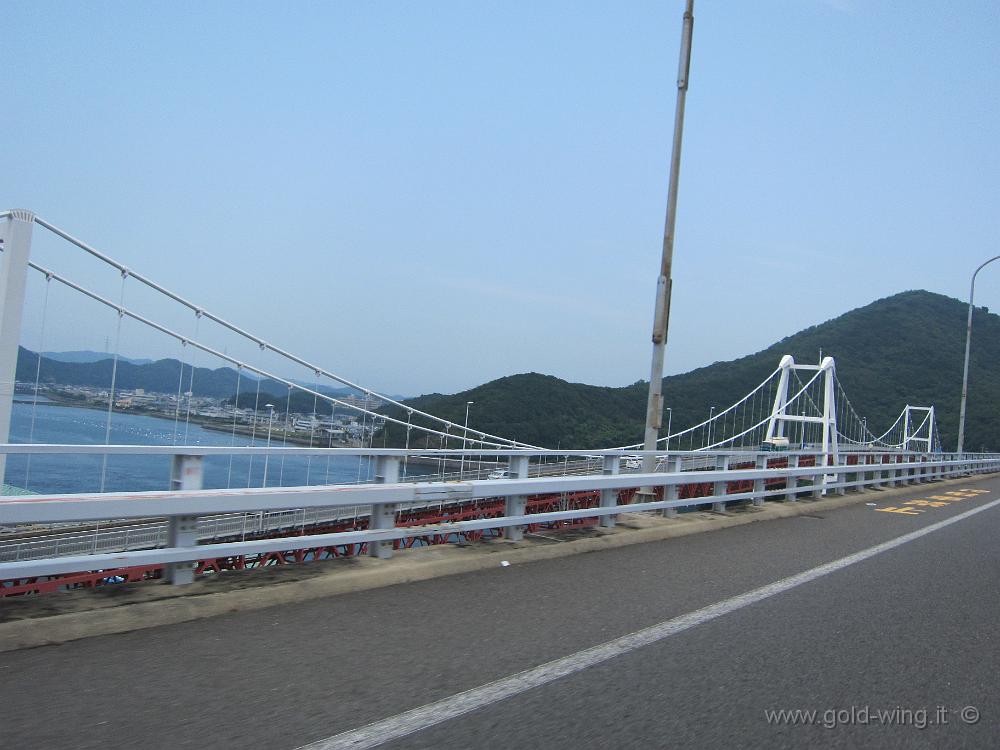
86 355
161 376
907 348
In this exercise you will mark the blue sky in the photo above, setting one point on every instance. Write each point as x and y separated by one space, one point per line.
424 196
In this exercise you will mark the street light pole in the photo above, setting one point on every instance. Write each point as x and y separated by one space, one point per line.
465 433
711 413
661 315
270 419
965 369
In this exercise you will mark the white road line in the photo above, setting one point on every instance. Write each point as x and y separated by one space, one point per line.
407 723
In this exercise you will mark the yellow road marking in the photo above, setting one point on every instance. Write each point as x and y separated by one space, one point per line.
904 511
914 507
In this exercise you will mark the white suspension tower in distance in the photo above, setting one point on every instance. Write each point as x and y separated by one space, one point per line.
780 416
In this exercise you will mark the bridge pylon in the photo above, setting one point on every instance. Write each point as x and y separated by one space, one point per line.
15 241
824 414
918 428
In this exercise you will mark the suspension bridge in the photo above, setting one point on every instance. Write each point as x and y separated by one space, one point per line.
867 585
259 498
795 434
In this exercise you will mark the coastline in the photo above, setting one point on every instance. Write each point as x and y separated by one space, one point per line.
226 427
207 423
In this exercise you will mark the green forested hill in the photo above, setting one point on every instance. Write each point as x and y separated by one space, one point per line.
907 348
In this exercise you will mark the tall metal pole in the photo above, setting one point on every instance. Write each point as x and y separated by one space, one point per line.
15 231
661 316
965 370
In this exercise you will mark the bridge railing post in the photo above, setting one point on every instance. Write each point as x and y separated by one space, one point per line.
609 498
878 476
186 473
383 515
792 482
672 491
759 485
841 476
719 488
515 505
817 479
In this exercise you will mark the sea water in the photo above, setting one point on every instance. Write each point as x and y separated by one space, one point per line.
57 474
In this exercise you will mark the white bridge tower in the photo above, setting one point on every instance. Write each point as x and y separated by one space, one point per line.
918 428
827 418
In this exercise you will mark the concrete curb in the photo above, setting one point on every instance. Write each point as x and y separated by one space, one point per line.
404 567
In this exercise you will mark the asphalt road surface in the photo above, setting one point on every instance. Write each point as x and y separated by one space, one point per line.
710 640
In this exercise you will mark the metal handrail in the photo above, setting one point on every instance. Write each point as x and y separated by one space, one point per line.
175 504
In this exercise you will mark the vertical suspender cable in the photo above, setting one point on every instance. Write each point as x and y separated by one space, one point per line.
253 430
364 424
111 395
180 387
284 438
406 456
370 468
312 428
743 421
443 444
232 437
190 390
38 375
333 410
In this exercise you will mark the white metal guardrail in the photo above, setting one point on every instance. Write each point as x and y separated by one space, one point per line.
184 506
74 539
